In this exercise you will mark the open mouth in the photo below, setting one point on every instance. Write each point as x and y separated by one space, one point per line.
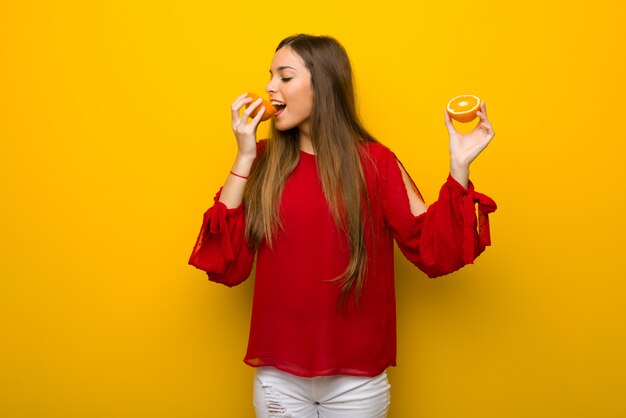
280 107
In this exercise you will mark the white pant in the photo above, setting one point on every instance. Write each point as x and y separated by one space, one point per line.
282 395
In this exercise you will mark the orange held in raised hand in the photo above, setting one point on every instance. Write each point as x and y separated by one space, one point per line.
269 109
463 108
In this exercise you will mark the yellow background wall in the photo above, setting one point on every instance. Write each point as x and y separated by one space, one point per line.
115 136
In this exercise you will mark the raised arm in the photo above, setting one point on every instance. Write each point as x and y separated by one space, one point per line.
221 249
464 148
245 133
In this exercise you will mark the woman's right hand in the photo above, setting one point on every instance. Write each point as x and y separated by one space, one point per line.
245 131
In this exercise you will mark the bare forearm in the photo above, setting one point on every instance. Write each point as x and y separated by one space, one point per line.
460 172
232 192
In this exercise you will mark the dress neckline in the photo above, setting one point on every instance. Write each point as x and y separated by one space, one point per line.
306 153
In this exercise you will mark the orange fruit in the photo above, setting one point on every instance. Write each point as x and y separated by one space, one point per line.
463 108
269 109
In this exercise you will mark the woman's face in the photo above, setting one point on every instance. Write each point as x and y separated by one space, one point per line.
290 90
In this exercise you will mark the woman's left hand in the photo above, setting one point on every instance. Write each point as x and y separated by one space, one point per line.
464 148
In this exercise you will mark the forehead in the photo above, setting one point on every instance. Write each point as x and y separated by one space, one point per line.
286 57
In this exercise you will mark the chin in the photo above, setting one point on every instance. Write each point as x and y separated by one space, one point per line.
281 126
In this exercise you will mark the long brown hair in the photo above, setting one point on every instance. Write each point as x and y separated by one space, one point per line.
336 132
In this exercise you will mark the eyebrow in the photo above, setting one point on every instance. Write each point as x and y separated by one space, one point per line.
284 67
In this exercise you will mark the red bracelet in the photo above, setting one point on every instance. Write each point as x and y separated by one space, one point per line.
235 174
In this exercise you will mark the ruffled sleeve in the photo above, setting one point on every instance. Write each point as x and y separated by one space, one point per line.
448 235
221 249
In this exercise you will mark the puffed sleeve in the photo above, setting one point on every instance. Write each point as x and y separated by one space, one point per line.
445 237
221 249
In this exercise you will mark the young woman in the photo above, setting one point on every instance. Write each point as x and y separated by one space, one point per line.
320 204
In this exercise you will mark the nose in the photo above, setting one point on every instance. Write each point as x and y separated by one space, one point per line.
271 86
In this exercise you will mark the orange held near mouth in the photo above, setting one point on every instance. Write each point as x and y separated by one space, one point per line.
270 110
463 108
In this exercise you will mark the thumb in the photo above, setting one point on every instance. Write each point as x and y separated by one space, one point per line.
448 122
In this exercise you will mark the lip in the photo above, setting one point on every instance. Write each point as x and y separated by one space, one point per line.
279 109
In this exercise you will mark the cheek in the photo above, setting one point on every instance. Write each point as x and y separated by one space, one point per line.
304 94
309 98
305 100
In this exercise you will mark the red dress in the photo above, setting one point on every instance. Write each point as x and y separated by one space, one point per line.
296 325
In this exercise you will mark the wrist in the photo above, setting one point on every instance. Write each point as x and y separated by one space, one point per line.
459 167
247 157
242 165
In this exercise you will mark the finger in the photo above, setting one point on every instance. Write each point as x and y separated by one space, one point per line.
253 106
483 111
234 111
482 114
242 96
448 121
250 109
256 120
486 129
238 104
254 123
483 123
239 101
